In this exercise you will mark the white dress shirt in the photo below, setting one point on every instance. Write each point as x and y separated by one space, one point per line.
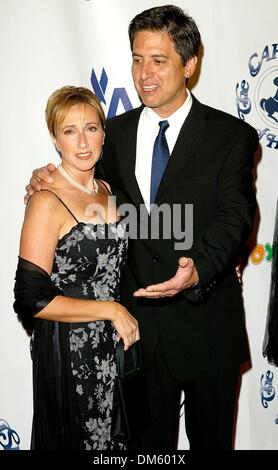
147 131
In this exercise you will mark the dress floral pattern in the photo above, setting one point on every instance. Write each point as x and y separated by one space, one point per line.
87 265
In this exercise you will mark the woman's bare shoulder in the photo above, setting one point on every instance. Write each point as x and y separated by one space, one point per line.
104 183
45 200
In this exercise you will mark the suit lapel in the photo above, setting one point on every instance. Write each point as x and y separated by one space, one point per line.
187 143
186 146
127 141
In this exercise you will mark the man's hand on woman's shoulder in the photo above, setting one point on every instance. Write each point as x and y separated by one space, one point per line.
39 175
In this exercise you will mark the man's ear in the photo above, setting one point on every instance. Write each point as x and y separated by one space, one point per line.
190 66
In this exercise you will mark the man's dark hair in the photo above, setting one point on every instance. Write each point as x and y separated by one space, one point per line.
181 28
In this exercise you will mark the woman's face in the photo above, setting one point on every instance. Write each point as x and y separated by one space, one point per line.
79 139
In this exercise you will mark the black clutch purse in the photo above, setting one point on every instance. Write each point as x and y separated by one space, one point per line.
131 410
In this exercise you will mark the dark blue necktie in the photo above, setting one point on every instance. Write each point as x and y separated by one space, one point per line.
160 159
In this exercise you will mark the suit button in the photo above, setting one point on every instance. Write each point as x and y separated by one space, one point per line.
155 258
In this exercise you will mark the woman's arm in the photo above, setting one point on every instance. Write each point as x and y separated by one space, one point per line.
39 237
40 231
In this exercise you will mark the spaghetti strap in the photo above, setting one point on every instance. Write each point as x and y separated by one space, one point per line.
62 202
106 187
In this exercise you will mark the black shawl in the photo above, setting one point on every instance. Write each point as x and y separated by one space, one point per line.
56 421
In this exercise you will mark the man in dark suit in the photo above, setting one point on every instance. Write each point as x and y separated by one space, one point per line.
188 303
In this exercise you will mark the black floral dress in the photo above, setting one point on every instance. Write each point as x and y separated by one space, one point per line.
87 265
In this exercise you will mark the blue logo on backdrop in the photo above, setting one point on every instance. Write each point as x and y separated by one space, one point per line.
9 439
267 389
119 95
260 94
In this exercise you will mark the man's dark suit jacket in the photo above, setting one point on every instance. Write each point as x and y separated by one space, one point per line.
211 168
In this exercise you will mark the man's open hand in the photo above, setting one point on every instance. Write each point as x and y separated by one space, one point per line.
184 278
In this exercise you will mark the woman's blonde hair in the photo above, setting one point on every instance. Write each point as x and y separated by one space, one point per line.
61 101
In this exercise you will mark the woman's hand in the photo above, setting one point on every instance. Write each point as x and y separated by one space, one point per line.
125 324
38 175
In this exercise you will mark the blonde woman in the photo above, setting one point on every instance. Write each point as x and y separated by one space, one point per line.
67 280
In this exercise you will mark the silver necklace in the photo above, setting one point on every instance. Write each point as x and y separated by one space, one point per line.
76 184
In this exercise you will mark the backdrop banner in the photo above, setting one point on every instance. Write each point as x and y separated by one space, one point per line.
46 44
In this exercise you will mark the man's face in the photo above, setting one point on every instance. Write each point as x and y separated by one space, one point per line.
158 73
